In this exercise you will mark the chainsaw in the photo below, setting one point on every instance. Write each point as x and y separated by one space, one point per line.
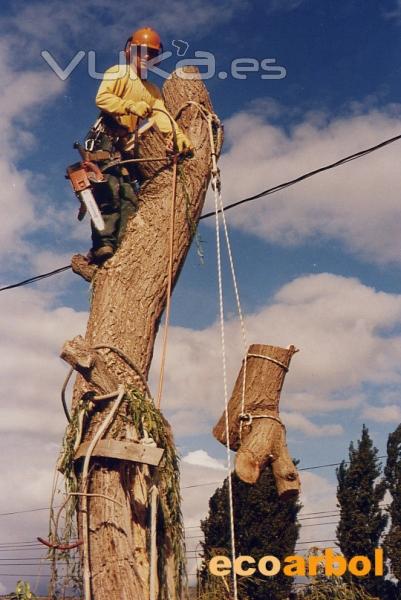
82 175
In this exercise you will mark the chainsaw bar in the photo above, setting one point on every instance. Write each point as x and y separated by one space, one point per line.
87 198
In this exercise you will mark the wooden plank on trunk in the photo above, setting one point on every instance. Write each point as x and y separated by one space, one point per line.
132 451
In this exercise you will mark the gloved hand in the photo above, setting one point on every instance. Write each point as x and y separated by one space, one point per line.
140 109
184 144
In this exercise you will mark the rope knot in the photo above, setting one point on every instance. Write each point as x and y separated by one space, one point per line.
246 419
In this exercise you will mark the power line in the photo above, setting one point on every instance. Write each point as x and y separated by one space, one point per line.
186 487
291 182
269 191
20 512
24 574
35 278
319 524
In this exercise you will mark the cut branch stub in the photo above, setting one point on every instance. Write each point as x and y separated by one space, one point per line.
263 438
81 266
90 365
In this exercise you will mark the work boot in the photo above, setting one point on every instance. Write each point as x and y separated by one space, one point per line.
103 253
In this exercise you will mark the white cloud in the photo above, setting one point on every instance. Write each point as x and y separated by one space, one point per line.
32 421
45 260
395 12
24 93
31 372
344 331
356 203
67 29
198 483
301 423
318 495
201 458
383 414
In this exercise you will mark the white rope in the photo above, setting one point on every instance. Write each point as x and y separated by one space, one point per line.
247 419
153 541
231 260
219 207
223 352
271 359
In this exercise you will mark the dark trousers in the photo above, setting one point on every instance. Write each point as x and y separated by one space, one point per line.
117 201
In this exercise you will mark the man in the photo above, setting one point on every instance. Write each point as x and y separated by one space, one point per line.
124 97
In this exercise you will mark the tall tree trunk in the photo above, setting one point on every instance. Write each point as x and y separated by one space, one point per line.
128 299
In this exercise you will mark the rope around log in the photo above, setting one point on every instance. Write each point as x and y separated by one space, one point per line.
271 359
247 418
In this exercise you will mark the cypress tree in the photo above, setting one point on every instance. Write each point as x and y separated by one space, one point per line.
362 521
264 525
393 478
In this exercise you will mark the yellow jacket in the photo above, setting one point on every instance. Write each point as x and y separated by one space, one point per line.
121 88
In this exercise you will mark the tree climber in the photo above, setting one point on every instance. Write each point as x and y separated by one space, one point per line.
124 97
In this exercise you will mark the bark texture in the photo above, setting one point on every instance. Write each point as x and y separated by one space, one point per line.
128 299
262 440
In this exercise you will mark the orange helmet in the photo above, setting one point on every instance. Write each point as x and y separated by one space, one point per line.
146 36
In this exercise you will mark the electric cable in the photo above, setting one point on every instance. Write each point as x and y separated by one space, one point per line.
267 192
291 182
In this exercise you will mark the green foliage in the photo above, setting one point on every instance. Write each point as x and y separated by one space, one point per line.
264 525
141 412
362 521
392 473
22 592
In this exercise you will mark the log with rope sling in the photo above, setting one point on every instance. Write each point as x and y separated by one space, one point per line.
250 423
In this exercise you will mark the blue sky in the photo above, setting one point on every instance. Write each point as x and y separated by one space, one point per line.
318 264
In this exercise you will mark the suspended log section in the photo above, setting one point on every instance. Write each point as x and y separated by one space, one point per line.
257 433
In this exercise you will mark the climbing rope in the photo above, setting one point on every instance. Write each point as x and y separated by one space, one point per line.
223 354
169 282
213 120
